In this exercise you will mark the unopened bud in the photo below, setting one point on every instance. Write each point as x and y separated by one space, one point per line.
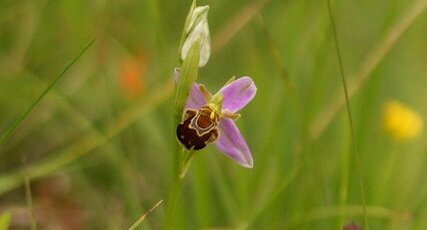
197 29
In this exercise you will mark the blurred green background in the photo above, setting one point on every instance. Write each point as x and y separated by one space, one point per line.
98 148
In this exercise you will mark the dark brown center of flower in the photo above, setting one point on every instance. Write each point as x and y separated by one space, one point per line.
198 128
204 121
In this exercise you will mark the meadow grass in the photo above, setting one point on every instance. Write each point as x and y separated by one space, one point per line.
98 143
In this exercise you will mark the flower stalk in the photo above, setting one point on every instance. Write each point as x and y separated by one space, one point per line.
200 117
188 75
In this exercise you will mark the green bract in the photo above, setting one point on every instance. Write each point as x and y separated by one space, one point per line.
197 29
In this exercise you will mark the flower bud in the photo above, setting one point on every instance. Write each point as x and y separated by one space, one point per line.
197 29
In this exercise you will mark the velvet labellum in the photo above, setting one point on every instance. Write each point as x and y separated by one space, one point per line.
198 128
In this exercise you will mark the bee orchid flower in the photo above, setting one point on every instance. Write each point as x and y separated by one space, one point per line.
211 119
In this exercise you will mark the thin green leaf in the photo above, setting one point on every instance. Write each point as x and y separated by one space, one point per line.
89 141
350 118
142 218
29 200
19 120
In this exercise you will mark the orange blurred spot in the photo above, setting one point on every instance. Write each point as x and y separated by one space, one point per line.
132 71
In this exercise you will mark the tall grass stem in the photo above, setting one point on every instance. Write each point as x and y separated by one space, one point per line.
350 118
142 218
89 141
29 198
372 60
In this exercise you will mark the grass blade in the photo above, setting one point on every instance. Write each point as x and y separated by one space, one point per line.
29 198
237 23
88 142
371 62
142 218
350 118
19 120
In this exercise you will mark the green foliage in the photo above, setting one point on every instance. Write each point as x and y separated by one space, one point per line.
99 146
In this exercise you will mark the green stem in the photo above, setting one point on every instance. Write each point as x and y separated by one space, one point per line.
173 197
350 118
345 170
175 191
188 158
29 202
182 158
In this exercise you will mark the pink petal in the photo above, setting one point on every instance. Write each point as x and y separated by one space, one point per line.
238 94
196 99
232 143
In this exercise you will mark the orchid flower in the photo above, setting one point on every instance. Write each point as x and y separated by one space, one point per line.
210 118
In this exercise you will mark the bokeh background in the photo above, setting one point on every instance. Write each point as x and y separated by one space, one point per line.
96 151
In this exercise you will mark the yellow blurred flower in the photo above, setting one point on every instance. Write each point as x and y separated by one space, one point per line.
401 122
